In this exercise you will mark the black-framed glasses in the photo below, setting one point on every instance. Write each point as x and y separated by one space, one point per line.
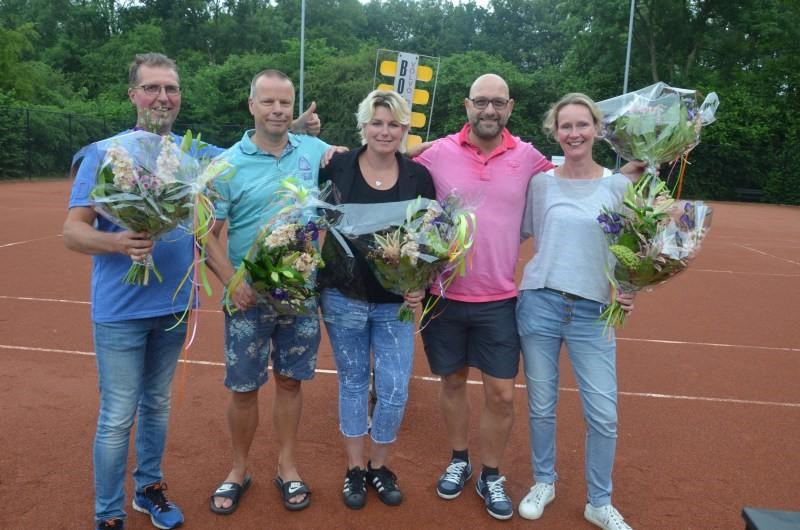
154 90
482 103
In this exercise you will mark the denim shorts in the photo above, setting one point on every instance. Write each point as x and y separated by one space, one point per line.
250 337
478 334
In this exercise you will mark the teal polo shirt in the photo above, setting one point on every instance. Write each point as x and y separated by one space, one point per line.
248 200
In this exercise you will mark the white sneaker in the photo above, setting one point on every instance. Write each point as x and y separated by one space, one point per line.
532 506
606 517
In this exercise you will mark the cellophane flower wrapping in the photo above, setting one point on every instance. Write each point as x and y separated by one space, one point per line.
147 183
409 252
652 236
282 263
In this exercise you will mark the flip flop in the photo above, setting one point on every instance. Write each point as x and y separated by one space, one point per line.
293 488
232 491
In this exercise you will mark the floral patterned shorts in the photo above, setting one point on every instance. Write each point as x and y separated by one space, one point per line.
250 337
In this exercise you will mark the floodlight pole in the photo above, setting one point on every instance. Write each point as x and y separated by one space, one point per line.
300 106
627 58
628 52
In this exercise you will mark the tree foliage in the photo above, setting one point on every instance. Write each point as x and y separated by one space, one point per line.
71 56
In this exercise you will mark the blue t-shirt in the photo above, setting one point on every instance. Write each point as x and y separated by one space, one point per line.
112 300
248 199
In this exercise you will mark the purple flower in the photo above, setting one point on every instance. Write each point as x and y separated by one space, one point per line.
312 229
610 223
279 294
687 219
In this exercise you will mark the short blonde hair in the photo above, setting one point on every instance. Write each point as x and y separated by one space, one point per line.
388 99
550 125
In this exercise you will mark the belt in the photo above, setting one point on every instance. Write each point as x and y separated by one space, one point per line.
568 296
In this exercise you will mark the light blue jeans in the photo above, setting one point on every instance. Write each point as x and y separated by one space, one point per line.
547 319
136 361
354 328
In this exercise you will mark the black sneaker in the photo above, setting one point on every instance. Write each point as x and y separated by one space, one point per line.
385 483
111 524
452 480
355 488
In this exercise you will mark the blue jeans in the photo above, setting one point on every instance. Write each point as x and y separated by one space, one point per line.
136 360
354 328
547 319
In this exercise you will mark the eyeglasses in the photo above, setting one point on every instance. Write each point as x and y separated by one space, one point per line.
482 103
154 90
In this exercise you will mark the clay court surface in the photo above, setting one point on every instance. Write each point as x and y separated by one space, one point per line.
709 371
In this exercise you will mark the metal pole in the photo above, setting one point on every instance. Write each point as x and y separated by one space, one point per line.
628 52
301 107
627 59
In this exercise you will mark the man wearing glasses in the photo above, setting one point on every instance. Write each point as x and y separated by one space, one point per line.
136 341
475 325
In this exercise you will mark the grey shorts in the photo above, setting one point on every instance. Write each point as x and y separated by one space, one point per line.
478 334
250 337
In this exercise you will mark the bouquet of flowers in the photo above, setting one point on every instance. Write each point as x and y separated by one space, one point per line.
656 124
432 242
651 240
282 263
147 183
653 236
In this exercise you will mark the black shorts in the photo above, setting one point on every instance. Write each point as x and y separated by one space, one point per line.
478 334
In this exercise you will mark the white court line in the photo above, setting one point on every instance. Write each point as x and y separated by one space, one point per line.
470 381
716 344
28 241
779 274
768 254
655 341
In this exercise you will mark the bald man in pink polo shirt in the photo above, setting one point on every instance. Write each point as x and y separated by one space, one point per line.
476 324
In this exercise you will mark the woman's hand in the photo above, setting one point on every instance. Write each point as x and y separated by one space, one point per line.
626 301
634 169
414 299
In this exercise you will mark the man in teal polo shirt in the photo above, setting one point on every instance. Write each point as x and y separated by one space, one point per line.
264 156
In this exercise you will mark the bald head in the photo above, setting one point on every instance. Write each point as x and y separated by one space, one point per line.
489 83
488 109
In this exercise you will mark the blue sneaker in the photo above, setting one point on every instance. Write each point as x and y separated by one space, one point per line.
151 500
452 480
494 496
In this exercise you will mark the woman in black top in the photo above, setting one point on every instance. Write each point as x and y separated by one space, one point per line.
360 315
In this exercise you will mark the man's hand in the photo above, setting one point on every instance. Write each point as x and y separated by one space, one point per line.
136 245
243 297
414 299
308 122
332 150
418 149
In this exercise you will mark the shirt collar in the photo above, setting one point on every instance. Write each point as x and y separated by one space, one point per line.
248 147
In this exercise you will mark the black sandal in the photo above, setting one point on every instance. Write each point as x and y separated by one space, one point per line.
232 491
293 488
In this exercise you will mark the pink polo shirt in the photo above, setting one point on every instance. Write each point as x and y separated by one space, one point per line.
498 183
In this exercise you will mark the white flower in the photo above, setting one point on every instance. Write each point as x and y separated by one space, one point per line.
168 162
410 249
281 236
121 167
305 263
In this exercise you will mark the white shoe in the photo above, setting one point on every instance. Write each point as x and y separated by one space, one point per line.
532 506
606 517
